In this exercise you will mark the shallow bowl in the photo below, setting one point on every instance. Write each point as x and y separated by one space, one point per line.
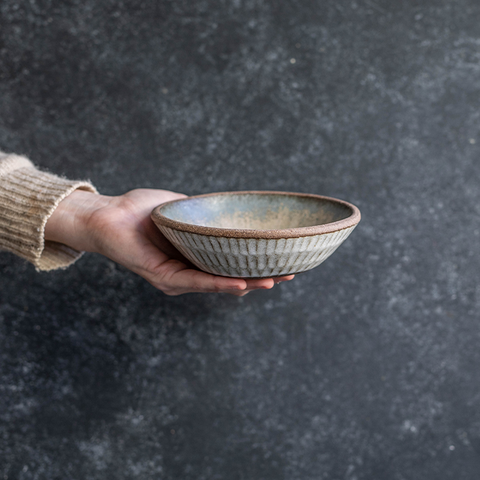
256 234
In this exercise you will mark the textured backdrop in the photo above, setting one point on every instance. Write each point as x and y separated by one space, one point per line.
366 368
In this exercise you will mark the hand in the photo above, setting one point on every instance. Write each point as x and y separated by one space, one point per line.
121 229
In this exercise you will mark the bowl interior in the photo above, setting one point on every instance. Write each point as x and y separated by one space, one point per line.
256 211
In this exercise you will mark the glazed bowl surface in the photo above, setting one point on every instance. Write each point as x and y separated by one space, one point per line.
256 234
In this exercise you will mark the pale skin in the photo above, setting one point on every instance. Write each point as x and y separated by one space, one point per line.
120 228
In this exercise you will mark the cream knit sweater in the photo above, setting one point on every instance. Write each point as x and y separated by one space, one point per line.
28 197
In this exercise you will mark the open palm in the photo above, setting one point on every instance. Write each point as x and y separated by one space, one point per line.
121 229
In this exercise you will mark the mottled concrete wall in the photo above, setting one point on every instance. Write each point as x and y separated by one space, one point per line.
363 369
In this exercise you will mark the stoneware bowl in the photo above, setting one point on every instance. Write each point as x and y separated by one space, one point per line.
256 234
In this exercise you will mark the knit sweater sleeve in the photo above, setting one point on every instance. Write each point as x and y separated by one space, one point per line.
28 197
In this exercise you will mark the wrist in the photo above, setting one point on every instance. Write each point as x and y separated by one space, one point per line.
68 224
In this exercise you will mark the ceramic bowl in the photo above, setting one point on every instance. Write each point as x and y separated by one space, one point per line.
256 234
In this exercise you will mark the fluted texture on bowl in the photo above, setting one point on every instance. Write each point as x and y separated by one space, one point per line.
253 257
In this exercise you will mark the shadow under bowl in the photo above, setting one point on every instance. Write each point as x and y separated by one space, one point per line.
256 234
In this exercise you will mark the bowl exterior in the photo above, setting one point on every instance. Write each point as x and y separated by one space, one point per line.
255 257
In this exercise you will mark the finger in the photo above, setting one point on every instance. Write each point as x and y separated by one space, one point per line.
285 278
255 284
174 278
262 285
267 283
239 294
259 283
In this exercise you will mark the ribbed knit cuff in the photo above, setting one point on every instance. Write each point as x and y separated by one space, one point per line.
28 197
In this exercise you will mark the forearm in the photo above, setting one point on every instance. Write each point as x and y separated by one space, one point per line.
28 197
69 223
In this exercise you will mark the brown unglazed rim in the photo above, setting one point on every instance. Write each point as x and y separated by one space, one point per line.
298 232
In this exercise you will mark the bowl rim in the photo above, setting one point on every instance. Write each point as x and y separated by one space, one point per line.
297 232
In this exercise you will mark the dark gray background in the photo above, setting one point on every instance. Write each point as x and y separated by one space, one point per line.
366 368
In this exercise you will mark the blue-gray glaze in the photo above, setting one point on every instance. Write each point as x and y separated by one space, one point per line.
256 211
366 368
